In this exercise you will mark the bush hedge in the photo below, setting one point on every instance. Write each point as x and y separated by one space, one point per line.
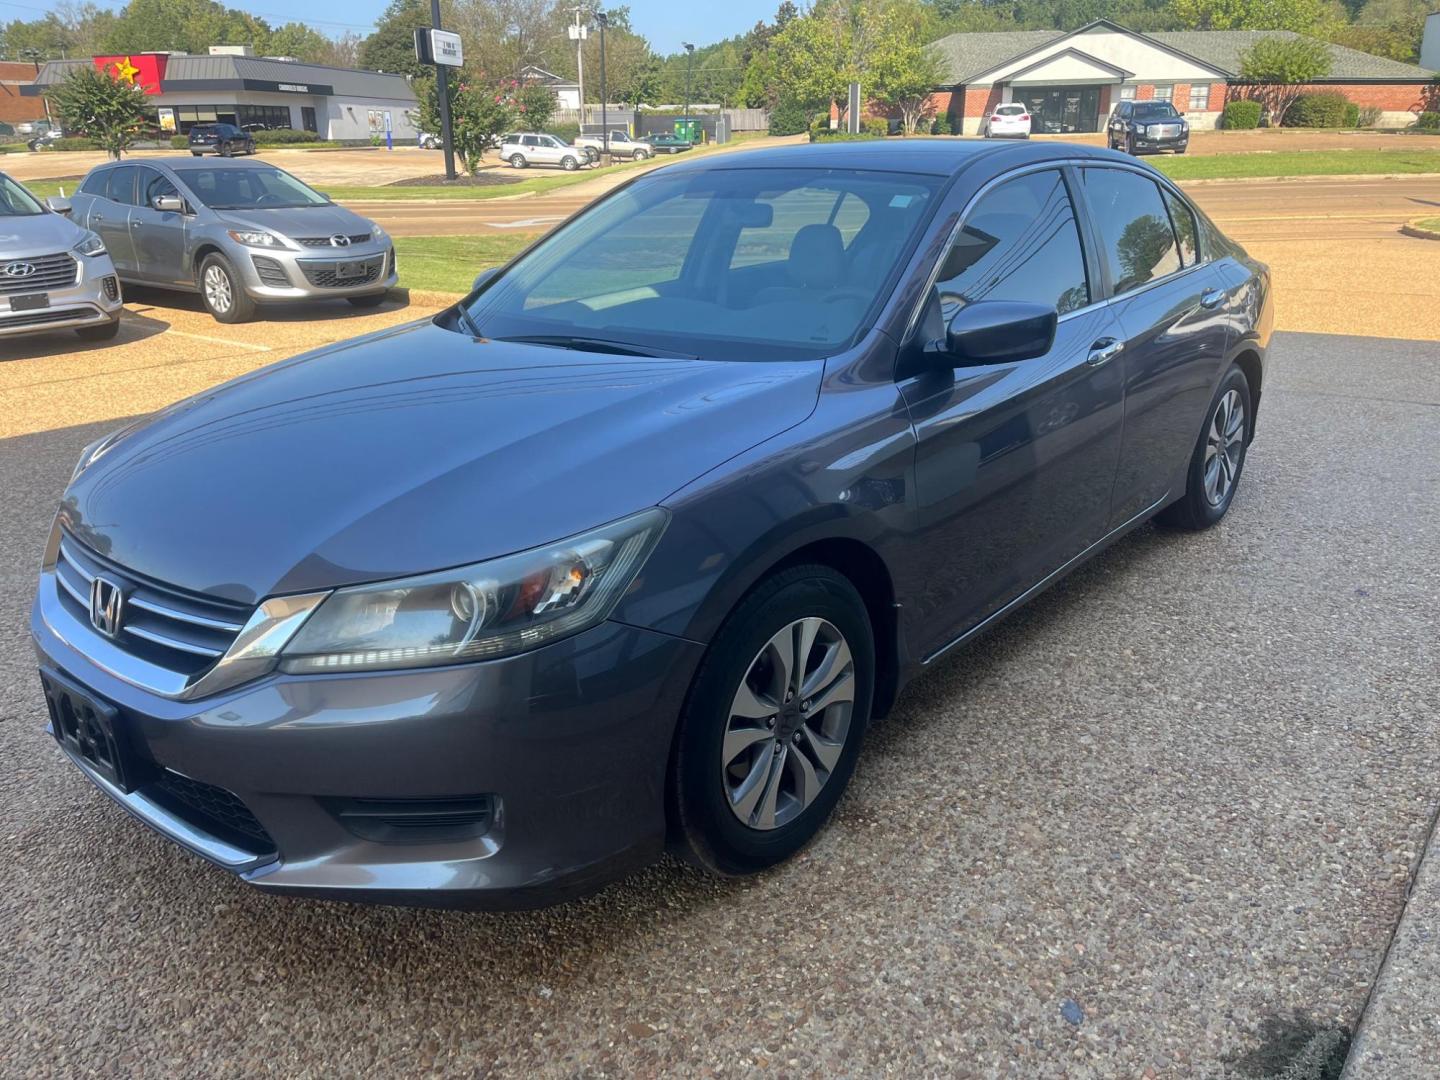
564 132
179 142
281 136
1352 114
1325 109
941 126
74 142
1428 121
788 117
1240 115
1369 116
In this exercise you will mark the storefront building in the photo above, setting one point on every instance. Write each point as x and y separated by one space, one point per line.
1071 81
255 92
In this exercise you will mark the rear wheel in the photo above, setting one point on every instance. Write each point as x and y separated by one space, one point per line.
196 153
1218 458
224 150
774 720
220 289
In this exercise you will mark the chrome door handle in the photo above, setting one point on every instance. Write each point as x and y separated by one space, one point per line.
1103 351
1211 298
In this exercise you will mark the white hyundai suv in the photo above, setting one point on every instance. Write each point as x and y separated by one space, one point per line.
525 150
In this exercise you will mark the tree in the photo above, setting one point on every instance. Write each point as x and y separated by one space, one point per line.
392 46
300 41
904 71
480 112
1278 67
1301 16
814 56
534 106
95 104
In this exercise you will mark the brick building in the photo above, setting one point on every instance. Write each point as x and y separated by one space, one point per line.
16 108
1070 81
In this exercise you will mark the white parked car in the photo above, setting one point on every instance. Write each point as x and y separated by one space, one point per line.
621 145
528 149
1008 121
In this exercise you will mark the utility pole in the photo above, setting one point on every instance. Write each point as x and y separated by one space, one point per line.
603 20
689 59
442 86
579 32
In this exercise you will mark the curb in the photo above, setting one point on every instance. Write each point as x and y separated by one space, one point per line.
1302 179
1413 228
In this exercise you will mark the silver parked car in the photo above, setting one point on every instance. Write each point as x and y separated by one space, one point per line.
531 148
240 233
54 275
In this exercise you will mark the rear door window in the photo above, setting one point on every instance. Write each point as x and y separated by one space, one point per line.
120 184
1136 239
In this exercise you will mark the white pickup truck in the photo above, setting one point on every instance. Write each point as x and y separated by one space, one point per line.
621 145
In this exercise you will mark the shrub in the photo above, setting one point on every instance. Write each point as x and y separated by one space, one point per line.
843 136
1240 115
820 126
1352 114
1323 110
564 132
941 126
1428 121
179 142
280 136
788 117
875 125
76 142
1369 116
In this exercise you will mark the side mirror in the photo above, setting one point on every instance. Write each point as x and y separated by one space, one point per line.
483 277
59 204
168 204
1000 331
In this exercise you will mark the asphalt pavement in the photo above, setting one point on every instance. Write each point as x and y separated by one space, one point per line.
1160 823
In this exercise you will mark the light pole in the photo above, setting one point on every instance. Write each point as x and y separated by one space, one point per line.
442 80
689 59
604 21
579 32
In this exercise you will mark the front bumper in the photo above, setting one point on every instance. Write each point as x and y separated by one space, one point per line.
1158 142
89 301
272 274
569 746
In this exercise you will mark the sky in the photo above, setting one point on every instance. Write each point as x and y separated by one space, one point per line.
666 23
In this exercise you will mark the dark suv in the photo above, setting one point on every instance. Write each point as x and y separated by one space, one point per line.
227 140
1148 125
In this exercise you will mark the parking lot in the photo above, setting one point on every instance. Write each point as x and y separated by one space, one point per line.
1161 823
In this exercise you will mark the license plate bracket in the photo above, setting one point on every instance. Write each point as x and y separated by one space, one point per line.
345 271
90 730
30 302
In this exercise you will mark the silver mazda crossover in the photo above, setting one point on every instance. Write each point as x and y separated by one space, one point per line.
628 547
241 233
53 275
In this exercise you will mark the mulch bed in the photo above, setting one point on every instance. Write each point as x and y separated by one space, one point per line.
489 178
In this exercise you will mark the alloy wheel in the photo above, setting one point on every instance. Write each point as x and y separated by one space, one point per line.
217 289
788 724
1224 446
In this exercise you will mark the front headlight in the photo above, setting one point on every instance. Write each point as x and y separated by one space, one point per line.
90 245
377 233
256 238
480 612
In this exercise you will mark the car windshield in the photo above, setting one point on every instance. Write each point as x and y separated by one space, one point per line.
714 264
226 187
1154 110
15 201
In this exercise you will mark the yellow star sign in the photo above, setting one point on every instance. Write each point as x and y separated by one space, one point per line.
126 70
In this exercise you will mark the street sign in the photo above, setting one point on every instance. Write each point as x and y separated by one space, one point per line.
445 48
579 33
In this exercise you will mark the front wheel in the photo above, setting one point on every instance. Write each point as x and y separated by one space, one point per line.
197 153
1218 458
223 294
517 161
641 155
569 164
1130 145
774 721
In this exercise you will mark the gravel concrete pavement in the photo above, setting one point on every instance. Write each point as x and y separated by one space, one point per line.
1158 824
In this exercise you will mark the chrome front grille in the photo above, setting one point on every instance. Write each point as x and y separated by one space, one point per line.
1164 131
324 241
46 272
176 630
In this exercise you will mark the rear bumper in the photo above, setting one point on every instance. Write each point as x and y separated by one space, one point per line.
568 746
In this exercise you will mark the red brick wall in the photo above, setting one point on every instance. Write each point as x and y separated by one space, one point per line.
13 107
1217 97
1144 92
980 100
1392 97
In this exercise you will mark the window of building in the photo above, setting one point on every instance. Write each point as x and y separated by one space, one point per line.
1199 97
1020 242
1127 92
263 117
1135 234
1164 91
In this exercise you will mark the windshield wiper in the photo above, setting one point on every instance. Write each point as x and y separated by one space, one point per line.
600 345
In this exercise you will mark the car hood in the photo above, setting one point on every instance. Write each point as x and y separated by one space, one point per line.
324 220
36 234
414 449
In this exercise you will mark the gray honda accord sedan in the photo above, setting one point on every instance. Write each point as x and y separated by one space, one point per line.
240 233
629 547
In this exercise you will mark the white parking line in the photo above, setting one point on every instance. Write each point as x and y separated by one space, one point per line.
219 340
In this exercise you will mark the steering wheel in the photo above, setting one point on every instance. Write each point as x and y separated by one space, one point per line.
269 196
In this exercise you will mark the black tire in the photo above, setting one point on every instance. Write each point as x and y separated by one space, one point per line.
1195 510
104 332
1130 144
709 834
517 161
197 153
641 155
241 306
224 149
569 164
373 300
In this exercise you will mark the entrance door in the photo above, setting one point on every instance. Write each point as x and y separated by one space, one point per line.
307 118
1062 109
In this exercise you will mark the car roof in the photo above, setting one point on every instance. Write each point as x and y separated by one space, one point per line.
185 164
936 157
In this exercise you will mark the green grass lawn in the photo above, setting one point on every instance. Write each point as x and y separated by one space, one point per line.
1297 163
450 263
1431 223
